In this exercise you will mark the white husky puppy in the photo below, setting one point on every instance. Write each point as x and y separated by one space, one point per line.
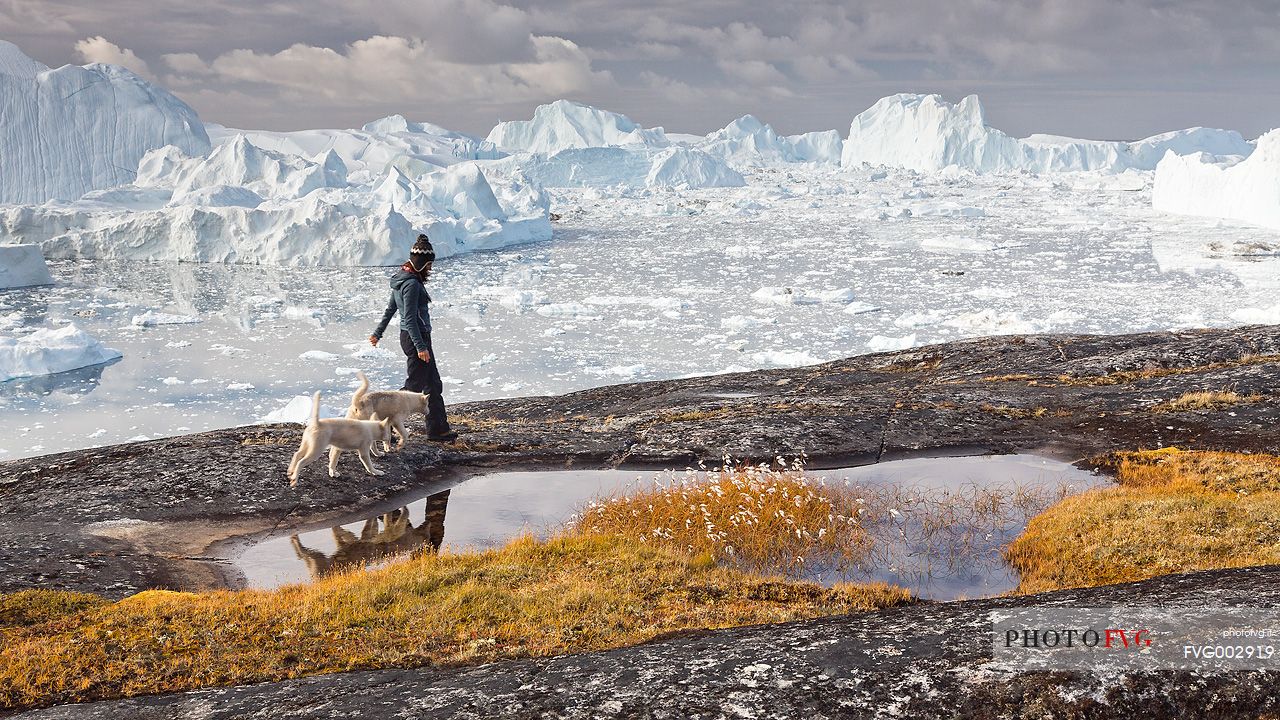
337 434
394 405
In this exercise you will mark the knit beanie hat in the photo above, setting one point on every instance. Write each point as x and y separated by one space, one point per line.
422 253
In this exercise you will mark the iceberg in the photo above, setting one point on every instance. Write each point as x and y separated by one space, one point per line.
245 204
414 148
22 266
49 351
565 125
748 142
628 167
926 133
68 131
1203 184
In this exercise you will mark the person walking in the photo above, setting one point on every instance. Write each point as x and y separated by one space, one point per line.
409 298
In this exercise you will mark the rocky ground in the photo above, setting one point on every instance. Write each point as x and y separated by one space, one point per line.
119 519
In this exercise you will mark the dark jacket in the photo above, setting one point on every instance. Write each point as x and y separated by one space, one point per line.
408 297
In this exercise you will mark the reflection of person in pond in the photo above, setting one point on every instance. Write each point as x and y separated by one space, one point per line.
387 534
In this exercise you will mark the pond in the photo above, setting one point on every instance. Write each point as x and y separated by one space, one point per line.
938 526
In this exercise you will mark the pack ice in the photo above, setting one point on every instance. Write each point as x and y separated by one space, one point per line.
1201 183
926 133
49 351
65 132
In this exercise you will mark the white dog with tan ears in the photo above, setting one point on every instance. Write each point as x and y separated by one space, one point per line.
394 405
337 434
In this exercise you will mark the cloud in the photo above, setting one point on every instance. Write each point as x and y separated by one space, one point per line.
383 72
461 31
28 17
833 57
100 50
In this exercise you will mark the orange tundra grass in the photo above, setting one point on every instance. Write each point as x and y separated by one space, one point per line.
1172 511
587 589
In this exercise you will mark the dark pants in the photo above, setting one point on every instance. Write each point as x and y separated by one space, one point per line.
424 377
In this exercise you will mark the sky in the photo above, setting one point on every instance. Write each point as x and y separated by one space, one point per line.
1103 69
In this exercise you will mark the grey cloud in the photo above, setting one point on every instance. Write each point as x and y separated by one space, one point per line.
1107 68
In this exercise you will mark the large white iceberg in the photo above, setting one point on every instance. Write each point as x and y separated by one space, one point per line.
927 133
49 351
563 125
629 167
1204 184
415 148
22 266
748 142
244 204
65 132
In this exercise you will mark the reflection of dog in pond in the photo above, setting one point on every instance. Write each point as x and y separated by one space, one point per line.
394 405
337 434
380 537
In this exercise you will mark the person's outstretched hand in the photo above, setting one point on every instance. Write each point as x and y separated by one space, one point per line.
424 356
373 340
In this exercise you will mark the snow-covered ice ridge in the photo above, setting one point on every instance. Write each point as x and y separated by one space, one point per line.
927 133
65 132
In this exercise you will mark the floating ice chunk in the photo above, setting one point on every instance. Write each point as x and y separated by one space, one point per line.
319 356
1257 316
571 309
152 318
858 308
775 295
885 343
22 266
312 315
841 295
173 381
368 352
992 322
784 358
240 386
956 243
298 410
49 351
945 209
993 293
625 372
523 299
920 319
737 323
